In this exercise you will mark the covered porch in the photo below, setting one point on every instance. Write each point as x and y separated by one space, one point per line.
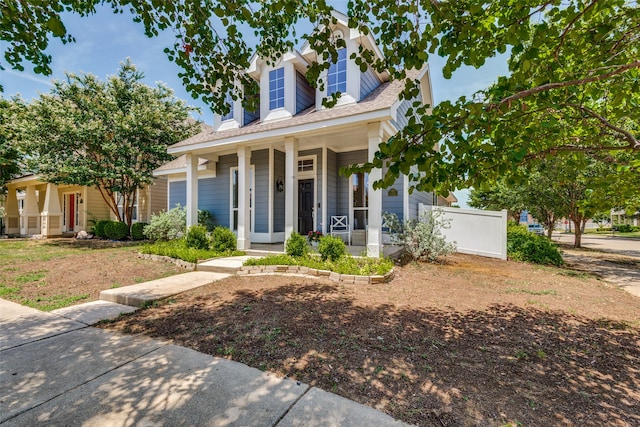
279 185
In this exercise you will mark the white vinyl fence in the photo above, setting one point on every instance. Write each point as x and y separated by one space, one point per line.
475 231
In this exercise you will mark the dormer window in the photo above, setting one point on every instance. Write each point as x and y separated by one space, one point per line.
276 89
337 75
229 101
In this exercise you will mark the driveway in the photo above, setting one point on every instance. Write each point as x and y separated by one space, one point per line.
615 260
619 245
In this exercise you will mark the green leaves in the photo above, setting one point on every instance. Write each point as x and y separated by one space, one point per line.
110 135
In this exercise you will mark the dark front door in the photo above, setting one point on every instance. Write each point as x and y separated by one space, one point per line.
305 206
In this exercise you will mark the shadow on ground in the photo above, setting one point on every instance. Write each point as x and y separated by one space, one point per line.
425 366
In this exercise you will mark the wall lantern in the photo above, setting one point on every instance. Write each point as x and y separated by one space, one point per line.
279 185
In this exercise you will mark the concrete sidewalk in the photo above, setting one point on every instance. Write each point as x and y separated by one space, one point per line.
55 370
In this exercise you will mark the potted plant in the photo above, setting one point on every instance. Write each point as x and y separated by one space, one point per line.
314 237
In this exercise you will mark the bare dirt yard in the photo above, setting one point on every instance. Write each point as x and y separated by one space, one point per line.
54 273
474 342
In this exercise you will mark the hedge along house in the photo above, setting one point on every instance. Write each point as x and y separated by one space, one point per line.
270 173
34 207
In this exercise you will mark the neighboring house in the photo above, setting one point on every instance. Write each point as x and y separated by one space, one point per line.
34 207
621 217
270 173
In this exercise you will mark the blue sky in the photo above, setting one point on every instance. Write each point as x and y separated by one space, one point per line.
105 39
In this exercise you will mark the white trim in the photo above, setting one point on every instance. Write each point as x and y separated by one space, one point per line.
325 196
312 174
351 208
271 192
253 198
203 172
405 201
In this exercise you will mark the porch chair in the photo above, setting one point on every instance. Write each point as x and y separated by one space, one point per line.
340 226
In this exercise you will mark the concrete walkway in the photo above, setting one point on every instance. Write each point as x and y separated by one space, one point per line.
57 370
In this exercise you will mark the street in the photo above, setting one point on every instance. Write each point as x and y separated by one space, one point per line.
619 245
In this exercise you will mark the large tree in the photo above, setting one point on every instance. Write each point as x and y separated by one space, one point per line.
570 62
10 157
107 134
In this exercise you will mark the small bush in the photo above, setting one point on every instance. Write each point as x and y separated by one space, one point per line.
529 247
423 239
331 248
223 239
197 237
623 228
137 230
168 225
116 230
206 219
98 230
297 245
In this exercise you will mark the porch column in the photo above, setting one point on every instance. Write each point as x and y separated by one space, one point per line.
12 213
51 219
192 189
31 213
374 229
244 199
290 186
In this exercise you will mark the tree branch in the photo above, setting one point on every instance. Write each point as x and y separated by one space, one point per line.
549 86
569 25
628 136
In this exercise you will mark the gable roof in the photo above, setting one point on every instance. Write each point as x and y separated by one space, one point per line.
382 98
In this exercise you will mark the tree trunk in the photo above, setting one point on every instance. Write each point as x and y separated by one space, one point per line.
577 243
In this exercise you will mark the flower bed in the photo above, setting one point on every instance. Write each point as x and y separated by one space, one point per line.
178 249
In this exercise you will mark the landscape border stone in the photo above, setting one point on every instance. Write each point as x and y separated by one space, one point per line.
306 271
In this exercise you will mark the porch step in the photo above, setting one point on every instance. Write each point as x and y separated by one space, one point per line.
224 265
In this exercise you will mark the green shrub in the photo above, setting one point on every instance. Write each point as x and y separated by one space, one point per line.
116 230
137 230
167 225
197 237
297 245
206 219
423 238
344 265
178 249
223 239
623 228
98 230
529 247
331 248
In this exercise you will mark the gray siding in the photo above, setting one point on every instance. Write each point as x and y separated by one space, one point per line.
177 194
418 197
368 82
260 159
250 116
220 193
402 120
394 204
305 94
346 159
278 197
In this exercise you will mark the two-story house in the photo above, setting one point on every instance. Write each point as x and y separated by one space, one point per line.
269 173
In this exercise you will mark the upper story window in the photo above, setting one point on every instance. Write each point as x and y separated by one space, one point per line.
337 75
276 89
229 101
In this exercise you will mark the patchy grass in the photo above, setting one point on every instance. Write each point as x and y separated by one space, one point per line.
50 274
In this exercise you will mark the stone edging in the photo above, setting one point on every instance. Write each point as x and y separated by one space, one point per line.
180 263
296 269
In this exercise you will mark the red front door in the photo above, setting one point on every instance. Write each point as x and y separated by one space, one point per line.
72 212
